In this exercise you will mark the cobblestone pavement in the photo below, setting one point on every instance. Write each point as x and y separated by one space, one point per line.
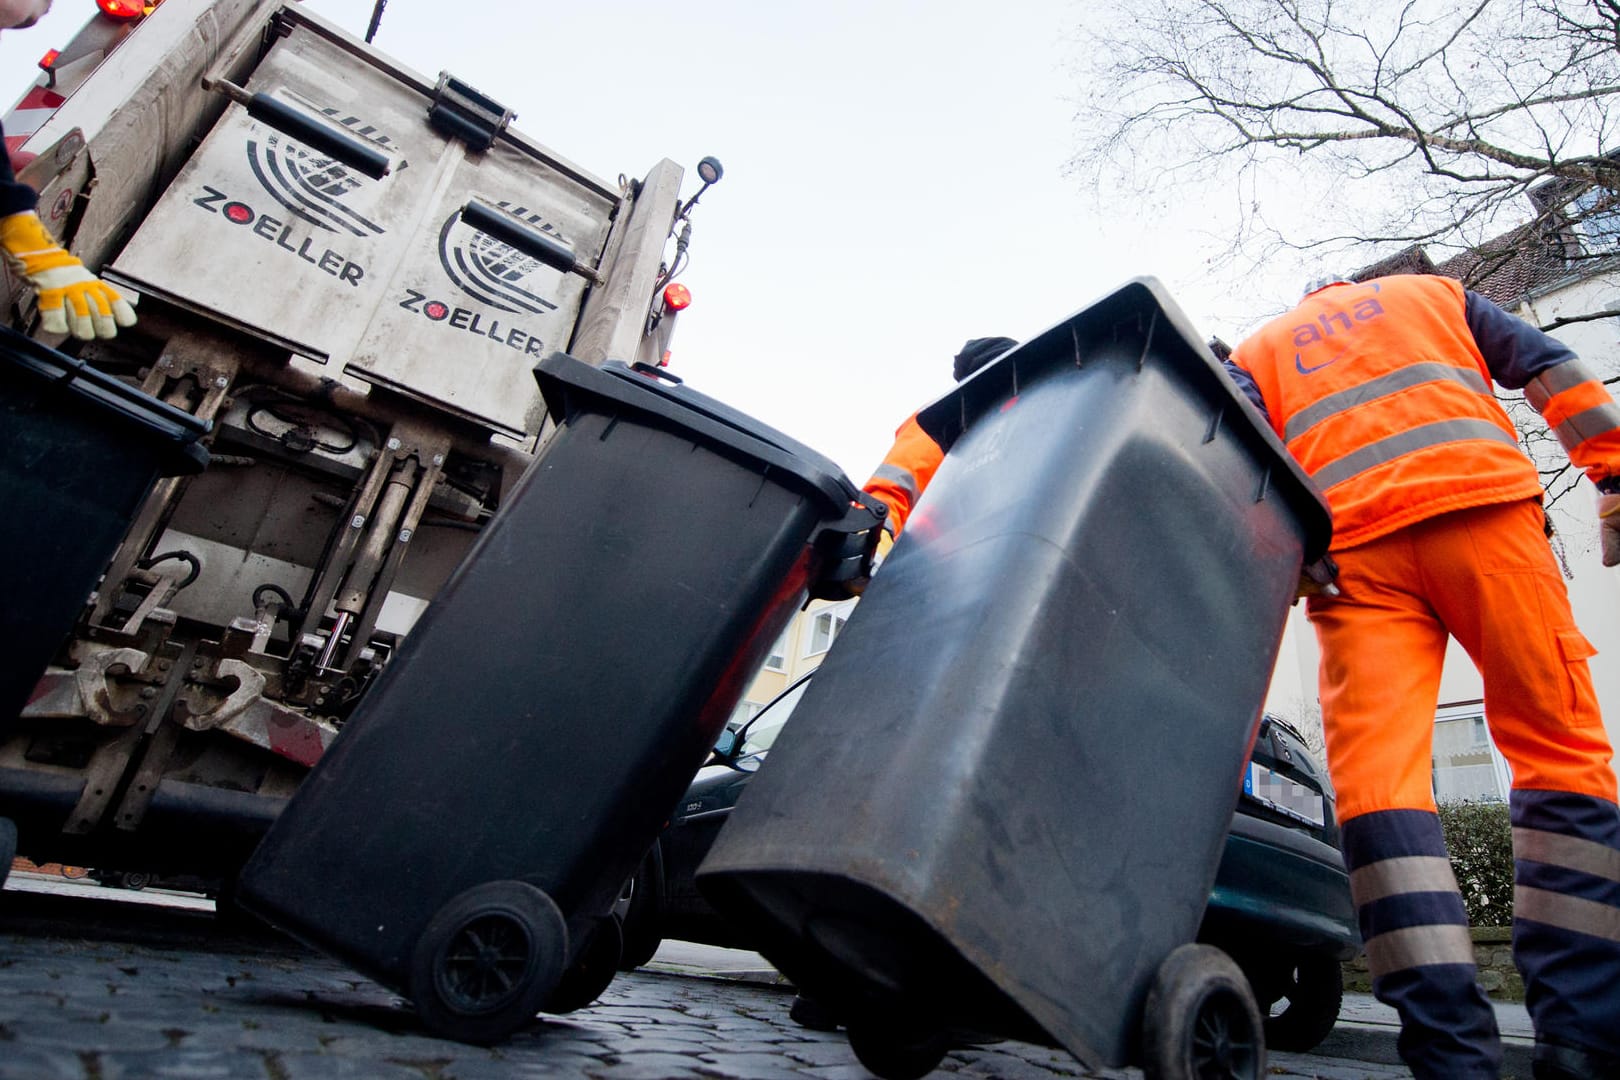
94 1007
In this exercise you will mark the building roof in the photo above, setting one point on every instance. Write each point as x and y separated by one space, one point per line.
1518 264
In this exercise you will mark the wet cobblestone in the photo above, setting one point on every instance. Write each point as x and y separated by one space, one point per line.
108 1010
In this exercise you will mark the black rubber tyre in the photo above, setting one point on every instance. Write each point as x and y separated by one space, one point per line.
134 880
898 1049
8 847
642 911
487 961
813 1013
1313 990
1201 1021
592 970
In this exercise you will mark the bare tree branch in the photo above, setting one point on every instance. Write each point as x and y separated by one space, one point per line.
1486 137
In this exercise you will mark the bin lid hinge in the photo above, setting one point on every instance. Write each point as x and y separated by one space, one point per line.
461 112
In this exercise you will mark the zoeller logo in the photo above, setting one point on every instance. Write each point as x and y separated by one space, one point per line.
312 186
491 271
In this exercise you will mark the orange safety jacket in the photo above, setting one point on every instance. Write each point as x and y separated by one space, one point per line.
906 471
1382 393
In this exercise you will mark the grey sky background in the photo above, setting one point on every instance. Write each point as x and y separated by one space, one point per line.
894 179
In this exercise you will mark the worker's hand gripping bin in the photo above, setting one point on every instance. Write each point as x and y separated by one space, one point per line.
466 835
1002 801
79 452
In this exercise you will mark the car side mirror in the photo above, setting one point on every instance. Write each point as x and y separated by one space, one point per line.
726 744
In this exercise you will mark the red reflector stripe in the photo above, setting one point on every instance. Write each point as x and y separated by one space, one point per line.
41 98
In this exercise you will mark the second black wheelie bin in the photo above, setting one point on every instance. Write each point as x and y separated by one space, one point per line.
466 835
1002 802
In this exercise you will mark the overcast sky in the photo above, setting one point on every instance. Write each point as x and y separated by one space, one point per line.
894 179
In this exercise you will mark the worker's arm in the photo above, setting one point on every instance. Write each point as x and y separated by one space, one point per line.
906 472
1576 405
1245 382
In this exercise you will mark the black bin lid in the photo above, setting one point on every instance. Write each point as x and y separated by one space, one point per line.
1145 306
127 409
656 394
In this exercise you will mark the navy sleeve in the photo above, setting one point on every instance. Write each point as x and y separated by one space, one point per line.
1515 351
1245 382
14 197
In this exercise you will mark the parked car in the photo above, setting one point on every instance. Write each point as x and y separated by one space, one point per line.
1280 906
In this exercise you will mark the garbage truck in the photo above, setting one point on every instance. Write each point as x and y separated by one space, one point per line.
347 272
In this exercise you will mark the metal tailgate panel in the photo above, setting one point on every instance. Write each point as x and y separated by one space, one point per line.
266 235
466 317
279 240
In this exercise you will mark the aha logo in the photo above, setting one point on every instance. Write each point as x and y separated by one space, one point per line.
312 186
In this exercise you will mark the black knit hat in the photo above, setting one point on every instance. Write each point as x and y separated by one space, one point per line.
979 352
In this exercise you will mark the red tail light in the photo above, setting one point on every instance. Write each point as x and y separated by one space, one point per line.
122 9
48 61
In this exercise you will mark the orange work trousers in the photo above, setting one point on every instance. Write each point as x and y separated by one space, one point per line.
1487 577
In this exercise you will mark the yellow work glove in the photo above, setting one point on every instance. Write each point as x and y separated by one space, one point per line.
71 298
1609 528
885 542
1317 579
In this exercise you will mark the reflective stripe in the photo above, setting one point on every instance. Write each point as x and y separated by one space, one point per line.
1598 420
1418 438
1416 946
1570 852
1400 379
1566 912
900 477
1555 380
1407 874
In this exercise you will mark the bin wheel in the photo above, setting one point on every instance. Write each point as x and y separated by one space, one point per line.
1201 1021
895 1048
592 970
813 1013
8 847
487 961
134 880
1313 988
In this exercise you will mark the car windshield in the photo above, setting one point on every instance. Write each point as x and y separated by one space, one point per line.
762 730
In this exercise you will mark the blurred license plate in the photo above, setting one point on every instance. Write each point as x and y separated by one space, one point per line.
1287 797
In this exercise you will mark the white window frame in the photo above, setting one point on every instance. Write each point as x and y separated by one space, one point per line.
777 659
1475 710
838 615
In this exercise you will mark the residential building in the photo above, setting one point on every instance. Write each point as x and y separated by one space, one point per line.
800 648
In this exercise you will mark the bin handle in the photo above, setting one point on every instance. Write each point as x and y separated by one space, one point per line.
531 242
656 373
316 134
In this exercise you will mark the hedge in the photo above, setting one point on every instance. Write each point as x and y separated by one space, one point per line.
1480 839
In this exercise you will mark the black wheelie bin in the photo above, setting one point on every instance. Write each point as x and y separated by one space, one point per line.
465 837
1002 802
79 452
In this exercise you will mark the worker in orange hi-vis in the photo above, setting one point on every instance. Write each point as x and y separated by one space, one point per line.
909 466
71 298
1382 391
